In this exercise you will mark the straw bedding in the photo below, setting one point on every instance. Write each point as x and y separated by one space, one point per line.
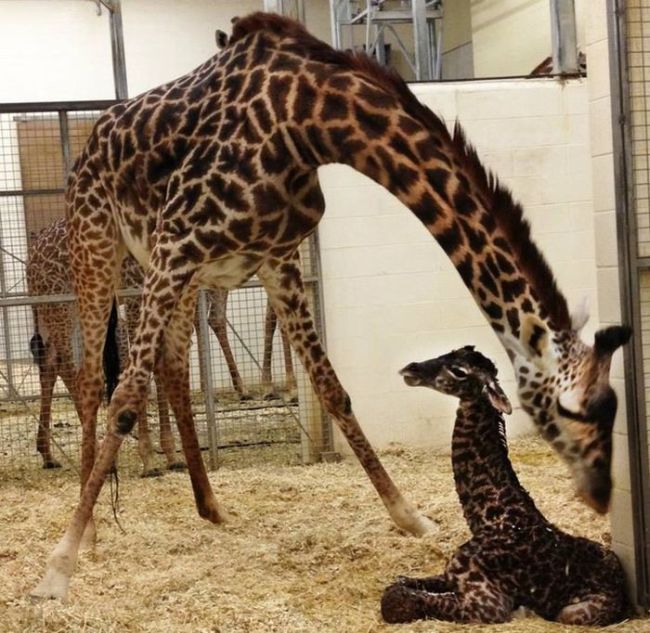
306 549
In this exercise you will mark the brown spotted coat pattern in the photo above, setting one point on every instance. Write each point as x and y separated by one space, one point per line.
213 177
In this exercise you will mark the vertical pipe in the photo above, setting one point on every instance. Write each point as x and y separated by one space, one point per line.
117 48
423 69
563 37
64 135
207 382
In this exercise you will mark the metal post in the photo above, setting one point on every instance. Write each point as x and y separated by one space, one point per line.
64 134
291 8
423 70
207 382
563 37
117 47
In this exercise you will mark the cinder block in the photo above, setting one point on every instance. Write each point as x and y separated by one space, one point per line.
609 304
621 463
600 126
575 97
603 182
595 24
621 517
606 241
598 78
533 161
509 99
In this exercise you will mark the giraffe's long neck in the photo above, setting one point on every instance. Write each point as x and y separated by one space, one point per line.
487 486
333 107
403 146
462 218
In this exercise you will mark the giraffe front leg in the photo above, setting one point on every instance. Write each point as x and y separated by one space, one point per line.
436 584
62 561
283 282
480 601
401 603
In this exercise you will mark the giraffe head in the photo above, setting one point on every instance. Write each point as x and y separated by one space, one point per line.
464 373
563 384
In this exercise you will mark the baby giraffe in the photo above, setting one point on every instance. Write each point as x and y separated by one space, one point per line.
515 556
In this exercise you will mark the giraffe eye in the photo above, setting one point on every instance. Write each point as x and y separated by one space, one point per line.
458 372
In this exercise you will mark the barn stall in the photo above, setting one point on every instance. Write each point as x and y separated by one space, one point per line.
389 295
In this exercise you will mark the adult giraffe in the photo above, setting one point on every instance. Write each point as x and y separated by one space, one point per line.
212 178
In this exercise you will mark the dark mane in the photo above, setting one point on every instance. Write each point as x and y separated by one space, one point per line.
497 199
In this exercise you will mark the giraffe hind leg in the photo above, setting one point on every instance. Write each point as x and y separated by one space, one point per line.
283 282
218 323
174 375
167 443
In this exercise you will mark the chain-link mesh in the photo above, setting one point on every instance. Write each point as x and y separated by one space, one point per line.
241 416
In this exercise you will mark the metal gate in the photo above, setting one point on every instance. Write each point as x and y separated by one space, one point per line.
38 143
630 68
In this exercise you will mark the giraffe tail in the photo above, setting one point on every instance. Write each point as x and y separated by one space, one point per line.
111 354
37 348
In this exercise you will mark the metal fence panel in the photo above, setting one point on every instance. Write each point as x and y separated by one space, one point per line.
38 143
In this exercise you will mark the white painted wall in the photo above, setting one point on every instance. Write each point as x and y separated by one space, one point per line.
391 294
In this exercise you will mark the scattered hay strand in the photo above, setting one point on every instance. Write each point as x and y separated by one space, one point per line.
306 550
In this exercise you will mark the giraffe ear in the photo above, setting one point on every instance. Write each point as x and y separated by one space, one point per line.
498 399
580 315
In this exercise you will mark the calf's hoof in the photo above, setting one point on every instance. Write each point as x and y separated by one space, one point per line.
396 604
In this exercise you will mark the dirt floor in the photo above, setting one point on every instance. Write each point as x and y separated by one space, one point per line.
306 549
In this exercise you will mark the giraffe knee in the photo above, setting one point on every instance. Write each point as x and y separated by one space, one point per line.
125 422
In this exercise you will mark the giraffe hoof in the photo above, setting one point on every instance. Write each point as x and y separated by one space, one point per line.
395 605
51 463
269 395
177 466
152 472
243 397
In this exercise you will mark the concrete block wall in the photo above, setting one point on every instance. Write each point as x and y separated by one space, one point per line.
392 295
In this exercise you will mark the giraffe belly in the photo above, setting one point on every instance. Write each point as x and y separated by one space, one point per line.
229 272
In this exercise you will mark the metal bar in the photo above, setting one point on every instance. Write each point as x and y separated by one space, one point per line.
207 381
64 132
423 69
29 192
55 106
6 329
629 270
563 37
117 48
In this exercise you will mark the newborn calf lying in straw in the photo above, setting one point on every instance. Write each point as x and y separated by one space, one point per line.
515 556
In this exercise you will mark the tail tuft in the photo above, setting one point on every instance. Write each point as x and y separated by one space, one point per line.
37 348
111 355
